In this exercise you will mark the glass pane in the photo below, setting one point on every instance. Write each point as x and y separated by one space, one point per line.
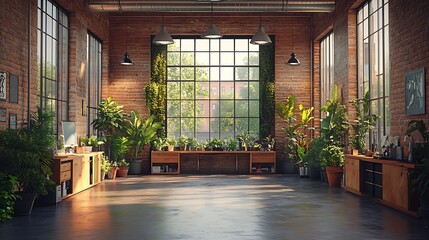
173 58
173 73
241 59
202 108
173 127
227 90
241 44
214 108
227 108
202 44
254 126
227 73
187 90
253 73
226 58
214 74
254 108
202 129
241 108
241 125
253 47
214 90
187 73
214 128
254 90
254 58
202 59
202 90
227 127
173 108
241 73
175 46
187 127
187 45
187 59
214 58
187 109
173 90
241 90
202 74
214 45
227 44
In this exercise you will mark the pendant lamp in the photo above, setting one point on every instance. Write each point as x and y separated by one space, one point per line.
260 37
126 61
293 61
212 32
163 37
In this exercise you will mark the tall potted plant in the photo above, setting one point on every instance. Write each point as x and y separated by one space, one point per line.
26 153
334 127
139 133
420 175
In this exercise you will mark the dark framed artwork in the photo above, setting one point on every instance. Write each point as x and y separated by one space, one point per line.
13 88
2 114
415 92
2 86
12 120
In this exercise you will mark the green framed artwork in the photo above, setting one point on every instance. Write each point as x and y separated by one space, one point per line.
415 92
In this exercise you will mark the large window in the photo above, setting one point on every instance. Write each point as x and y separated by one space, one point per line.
93 79
52 60
212 88
326 68
374 63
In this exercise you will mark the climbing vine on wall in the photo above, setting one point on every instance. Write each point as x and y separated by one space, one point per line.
267 80
156 89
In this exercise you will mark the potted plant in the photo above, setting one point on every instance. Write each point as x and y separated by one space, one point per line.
8 183
113 170
215 144
90 143
183 143
244 140
171 143
332 159
139 132
230 144
123 167
110 121
193 144
105 166
420 175
26 153
312 157
268 143
362 124
118 148
159 143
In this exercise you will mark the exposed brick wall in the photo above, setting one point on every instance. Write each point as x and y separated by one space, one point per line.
82 20
126 83
409 50
14 16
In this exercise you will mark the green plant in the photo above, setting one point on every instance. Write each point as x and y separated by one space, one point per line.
268 143
332 156
123 163
159 143
266 90
140 132
106 165
335 125
183 142
171 141
27 153
420 175
314 149
215 144
244 140
193 143
8 183
91 141
230 144
363 122
118 148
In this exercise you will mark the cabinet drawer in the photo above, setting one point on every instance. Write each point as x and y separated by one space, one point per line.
65 176
165 159
263 158
65 167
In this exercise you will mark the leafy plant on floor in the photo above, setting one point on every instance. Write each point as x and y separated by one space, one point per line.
8 183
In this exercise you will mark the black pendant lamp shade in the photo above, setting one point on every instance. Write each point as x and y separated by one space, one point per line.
212 32
163 37
293 61
260 37
126 61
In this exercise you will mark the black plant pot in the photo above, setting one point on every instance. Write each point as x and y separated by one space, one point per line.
24 205
315 173
135 167
424 211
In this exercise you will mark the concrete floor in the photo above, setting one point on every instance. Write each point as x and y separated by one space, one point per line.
218 207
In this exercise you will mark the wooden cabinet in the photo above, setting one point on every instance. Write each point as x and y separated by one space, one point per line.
165 162
395 186
263 162
386 181
351 175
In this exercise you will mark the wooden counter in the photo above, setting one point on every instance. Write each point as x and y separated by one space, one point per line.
213 162
385 181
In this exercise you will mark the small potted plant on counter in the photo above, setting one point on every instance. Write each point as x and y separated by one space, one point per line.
183 143
171 143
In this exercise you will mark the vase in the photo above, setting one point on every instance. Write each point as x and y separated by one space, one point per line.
334 174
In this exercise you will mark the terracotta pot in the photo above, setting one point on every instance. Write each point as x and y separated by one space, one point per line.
334 175
111 174
123 171
170 148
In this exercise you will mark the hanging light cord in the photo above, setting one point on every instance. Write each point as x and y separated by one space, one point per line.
126 33
211 18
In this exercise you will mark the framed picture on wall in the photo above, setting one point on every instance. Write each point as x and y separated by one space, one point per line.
2 114
2 86
12 120
415 92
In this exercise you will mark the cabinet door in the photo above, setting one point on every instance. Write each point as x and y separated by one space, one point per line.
77 174
352 172
395 185
85 173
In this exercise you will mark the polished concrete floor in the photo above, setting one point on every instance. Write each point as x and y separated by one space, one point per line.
218 207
